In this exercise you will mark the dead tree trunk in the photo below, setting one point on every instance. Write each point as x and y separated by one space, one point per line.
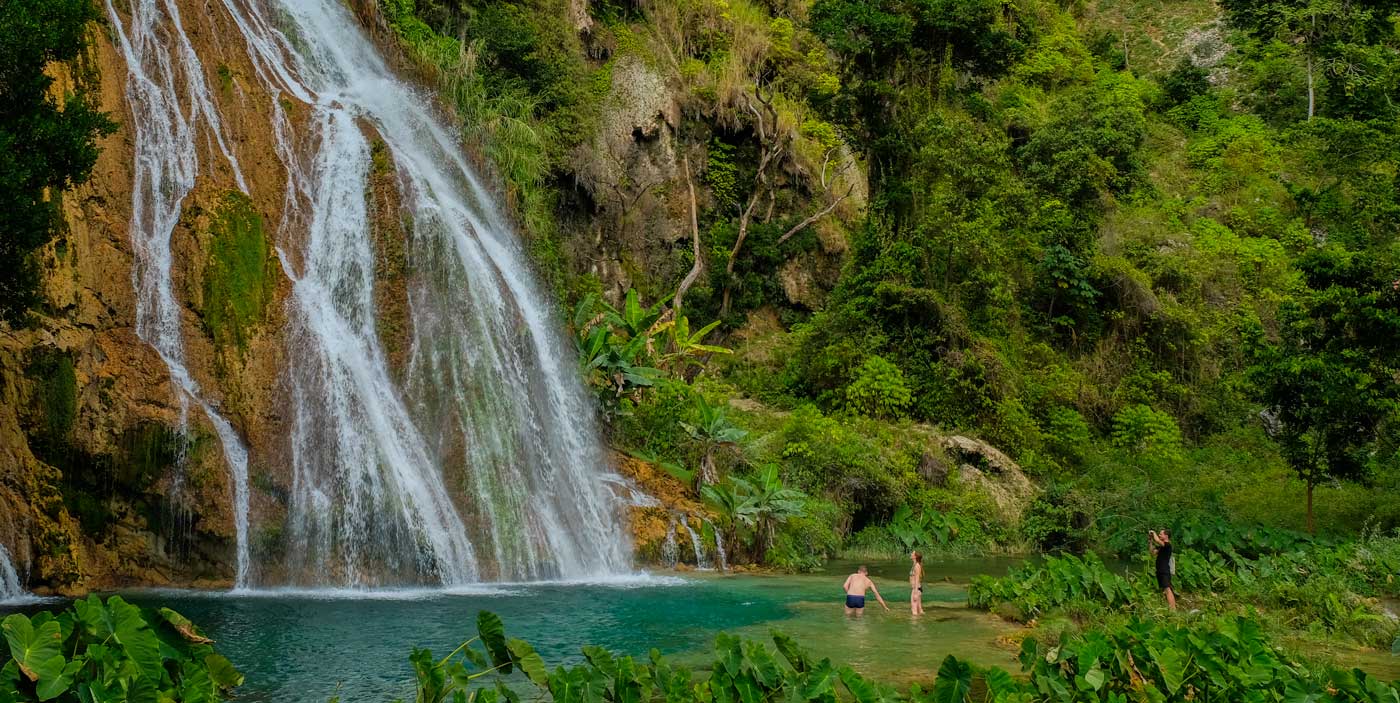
698 266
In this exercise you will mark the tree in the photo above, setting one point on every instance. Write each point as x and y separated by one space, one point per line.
711 431
46 144
771 503
887 46
1331 384
761 504
1334 36
731 509
616 345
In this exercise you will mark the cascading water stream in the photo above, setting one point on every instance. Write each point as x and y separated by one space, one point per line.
670 551
479 458
163 66
720 556
11 589
699 549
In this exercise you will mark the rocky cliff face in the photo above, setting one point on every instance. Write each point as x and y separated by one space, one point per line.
106 477
109 476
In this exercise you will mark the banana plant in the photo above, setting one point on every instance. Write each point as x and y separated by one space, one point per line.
772 504
686 349
711 432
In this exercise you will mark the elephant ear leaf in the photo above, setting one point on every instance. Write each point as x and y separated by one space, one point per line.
183 626
954 682
791 652
493 634
38 652
529 662
137 639
222 673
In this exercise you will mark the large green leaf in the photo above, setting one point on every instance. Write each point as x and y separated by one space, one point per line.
37 652
222 673
138 641
493 634
51 688
92 617
1172 664
529 661
954 681
601 659
862 690
794 655
765 668
1095 678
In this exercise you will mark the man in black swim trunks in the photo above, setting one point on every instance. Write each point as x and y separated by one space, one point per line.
856 585
1161 543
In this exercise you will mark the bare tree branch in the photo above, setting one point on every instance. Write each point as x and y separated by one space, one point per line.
816 216
696 267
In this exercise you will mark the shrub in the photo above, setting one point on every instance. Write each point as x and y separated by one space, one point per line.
878 390
1146 430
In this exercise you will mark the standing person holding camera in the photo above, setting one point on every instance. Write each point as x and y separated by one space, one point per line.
1161 544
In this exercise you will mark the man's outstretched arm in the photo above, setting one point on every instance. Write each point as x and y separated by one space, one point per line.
877 596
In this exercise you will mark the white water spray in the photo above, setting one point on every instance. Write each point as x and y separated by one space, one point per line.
670 551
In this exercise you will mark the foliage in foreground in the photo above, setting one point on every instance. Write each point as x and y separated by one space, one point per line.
1225 659
113 651
1329 589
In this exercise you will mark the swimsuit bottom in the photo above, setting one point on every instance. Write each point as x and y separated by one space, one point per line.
855 601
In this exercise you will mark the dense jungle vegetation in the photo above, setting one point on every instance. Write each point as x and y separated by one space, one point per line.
1146 249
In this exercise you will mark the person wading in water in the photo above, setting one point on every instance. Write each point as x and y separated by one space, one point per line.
1161 543
856 585
916 584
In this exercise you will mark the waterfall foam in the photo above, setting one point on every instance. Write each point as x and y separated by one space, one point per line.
478 461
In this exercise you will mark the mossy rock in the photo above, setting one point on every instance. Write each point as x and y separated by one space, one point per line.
238 276
55 401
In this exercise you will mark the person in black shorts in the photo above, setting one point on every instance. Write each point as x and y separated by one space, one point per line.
855 586
1161 543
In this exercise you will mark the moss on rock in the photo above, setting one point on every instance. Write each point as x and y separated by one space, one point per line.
238 282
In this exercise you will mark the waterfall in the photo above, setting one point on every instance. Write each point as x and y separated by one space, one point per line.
670 551
162 67
699 549
11 589
480 459
720 555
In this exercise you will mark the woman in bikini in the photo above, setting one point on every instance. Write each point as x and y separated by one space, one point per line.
916 584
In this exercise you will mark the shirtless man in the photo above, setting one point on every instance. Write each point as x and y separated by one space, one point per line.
856 586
